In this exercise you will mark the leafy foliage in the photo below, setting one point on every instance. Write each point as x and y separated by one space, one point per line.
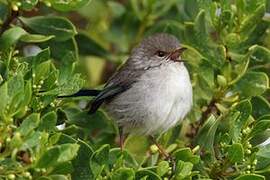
81 43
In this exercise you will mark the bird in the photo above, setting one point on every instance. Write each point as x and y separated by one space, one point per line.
151 92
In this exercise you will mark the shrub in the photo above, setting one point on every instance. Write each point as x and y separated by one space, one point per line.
44 55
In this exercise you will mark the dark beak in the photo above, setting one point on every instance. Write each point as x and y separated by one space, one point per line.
174 56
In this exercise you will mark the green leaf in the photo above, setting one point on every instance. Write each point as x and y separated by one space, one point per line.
99 160
60 50
58 177
259 55
29 124
260 106
263 157
34 140
191 8
183 169
248 25
207 73
78 117
121 157
185 154
238 118
15 92
15 84
63 168
252 84
123 174
28 5
142 146
60 27
260 138
232 40
241 69
206 135
68 5
226 18
200 25
162 168
260 127
70 85
81 163
48 122
10 37
65 139
27 95
236 153
87 46
117 8
57 154
35 38
41 57
4 99
150 175
42 71
250 177
43 178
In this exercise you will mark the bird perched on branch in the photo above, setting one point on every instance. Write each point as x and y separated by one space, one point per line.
151 92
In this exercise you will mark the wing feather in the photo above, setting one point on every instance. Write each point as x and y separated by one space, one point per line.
118 83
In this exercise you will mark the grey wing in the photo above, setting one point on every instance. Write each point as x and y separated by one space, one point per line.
118 83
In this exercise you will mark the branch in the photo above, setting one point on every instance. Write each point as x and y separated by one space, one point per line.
6 24
211 107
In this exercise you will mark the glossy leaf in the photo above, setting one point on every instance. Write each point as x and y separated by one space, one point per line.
123 174
147 173
28 5
253 84
68 5
186 155
236 153
29 124
260 106
248 23
206 135
57 154
99 160
35 38
48 122
162 168
10 37
263 157
183 169
59 27
250 177
239 119
81 163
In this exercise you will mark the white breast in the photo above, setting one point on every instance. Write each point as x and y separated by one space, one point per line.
161 98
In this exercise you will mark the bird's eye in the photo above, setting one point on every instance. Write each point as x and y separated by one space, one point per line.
161 53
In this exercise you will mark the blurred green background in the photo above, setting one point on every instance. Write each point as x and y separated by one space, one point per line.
55 47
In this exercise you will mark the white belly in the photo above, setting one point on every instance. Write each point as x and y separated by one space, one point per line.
161 98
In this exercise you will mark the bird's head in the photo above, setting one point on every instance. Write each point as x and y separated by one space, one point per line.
158 48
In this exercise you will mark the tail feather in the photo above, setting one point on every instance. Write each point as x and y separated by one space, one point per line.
83 92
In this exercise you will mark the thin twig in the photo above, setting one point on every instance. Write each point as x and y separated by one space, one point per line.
210 108
9 20
196 126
